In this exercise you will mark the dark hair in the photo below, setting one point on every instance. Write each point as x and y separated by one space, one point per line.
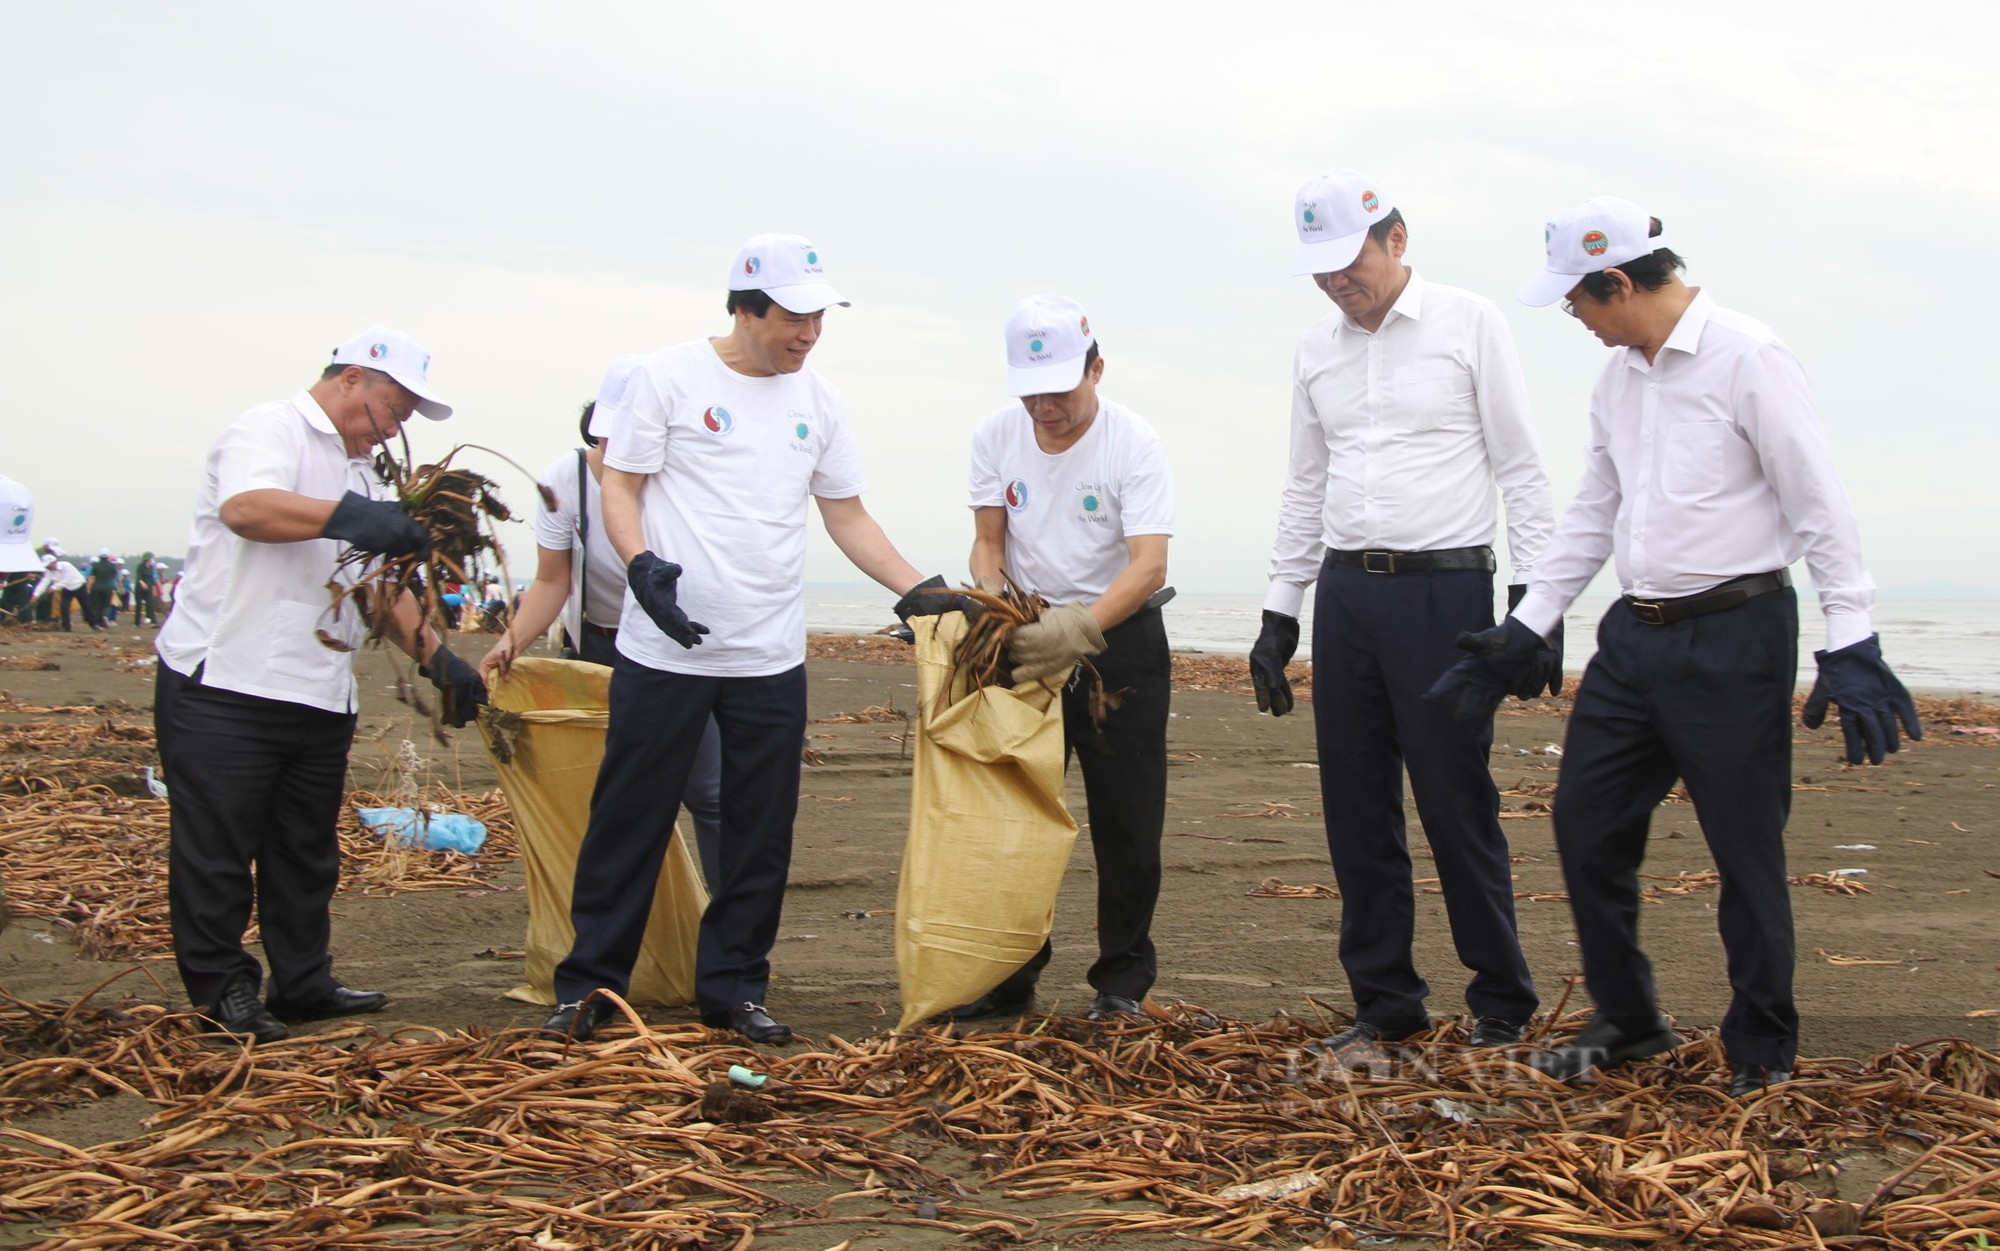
339 367
1090 357
755 303
1379 232
583 424
1650 271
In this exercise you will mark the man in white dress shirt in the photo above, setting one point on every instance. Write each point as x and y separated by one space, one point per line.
1408 410
1706 476
253 712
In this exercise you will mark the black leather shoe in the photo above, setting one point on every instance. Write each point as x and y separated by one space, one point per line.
751 1021
240 1012
578 1021
996 1002
1750 1079
340 1001
1362 1034
1601 1044
1492 1031
1111 1007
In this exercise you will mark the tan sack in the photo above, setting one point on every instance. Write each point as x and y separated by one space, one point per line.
545 729
989 835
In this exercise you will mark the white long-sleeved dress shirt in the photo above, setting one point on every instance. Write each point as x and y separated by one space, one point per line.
1706 465
1399 437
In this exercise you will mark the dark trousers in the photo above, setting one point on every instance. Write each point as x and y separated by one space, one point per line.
1379 642
657 723
1124 768
255 789
143 606
83 604
1709 701
102 606
16 600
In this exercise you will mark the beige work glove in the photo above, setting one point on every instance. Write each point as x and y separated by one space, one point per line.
1051 646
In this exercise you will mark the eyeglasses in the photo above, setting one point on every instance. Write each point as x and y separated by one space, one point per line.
1567 307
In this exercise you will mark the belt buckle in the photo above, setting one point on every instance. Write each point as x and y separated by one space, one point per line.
1650 611
1388 562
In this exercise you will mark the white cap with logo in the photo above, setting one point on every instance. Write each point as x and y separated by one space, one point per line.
1333 213
787 268
1592 237
612 389
1048 338
402 358
17 520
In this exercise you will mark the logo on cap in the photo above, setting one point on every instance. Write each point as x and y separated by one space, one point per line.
1034 345
717 421
378 351
1017 495
1083 324
752 265
1595 243
1370 201
1309 216
812 258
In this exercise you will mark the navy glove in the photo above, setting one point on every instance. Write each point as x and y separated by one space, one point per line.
1515 594
1507 659
1276 643
652 581
458 685
378 526
1871 700
932 598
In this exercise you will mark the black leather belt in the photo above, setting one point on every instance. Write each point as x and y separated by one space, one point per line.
1445 560
1730 594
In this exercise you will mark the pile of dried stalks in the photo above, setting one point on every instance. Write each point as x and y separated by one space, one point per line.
1184 1126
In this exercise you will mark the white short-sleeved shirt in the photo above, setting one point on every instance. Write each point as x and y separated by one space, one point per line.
251 611
1069 513
604 598
732 462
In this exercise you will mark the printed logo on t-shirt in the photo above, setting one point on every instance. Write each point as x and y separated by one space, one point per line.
717 423
802 430
1090 499
1017 495
1595 243
1370 201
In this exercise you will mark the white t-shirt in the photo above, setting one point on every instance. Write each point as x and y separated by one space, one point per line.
253 611
1069 514
600 602
732 461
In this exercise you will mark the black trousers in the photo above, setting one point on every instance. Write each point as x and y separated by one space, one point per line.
143 605
255 787
1124 768
16 600
1379 642
1709 701
657 723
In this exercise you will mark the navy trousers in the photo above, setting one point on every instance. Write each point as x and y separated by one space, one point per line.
1379 642
1707 700
255 787
1124 765
657 723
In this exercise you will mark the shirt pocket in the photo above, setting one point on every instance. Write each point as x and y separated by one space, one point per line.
295 652
1426 397
1697 457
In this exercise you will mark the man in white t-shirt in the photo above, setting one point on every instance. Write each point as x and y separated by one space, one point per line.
719 447
579 577
254 700
1072 496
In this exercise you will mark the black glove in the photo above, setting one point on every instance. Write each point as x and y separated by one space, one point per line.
932 598
378 526
458 684
1276 643
1515 594
652 581
1871 700
1507 659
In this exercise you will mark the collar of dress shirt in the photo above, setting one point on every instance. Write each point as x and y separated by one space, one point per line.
1409 304
1685 336
315 415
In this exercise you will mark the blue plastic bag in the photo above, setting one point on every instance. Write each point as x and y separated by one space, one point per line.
432 831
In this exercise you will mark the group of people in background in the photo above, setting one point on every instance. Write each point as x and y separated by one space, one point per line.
40 583
675 554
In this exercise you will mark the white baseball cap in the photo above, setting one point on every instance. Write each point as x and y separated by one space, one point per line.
1592 237
1048 338
1333 214
402 358
17 520
787 268
612 390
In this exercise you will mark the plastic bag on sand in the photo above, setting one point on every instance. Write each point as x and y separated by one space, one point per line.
545 730
989 835
432 831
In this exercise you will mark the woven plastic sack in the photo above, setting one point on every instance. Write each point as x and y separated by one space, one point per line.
989 835
545 729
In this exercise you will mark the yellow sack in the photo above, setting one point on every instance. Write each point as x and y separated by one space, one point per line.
989 835
545 730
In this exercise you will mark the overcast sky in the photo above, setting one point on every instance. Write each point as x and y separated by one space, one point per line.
199 200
